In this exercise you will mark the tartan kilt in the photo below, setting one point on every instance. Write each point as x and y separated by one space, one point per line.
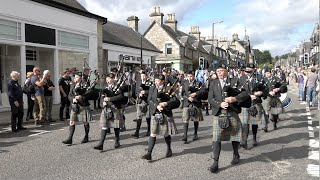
168 128
83 116
116 120
186 117
139 108
232 133
274 110
259 119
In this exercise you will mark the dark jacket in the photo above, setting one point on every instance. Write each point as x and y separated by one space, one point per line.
15 92
215 96
196 87
139 87
47 92
256 84
173 102
275 82
116 98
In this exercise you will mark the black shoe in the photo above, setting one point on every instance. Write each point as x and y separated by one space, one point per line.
265 129
27 119
15 130
275 128
147 156
235 160
21 128
135 120
185 139
85 139
148 133
98 147
195 137
255 143
136 135
169 153
207 114
68 141
51 120
123 129
117 143
214 167
244 146
108 131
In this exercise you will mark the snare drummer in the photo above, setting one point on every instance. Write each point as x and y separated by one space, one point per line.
273 103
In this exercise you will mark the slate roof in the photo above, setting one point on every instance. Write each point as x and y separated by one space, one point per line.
71 6
118 34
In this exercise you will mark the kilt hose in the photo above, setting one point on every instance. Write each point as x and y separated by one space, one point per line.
186 116
169 127
83 116
260 118
111 118
232 133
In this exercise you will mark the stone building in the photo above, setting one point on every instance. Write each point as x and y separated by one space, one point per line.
181 50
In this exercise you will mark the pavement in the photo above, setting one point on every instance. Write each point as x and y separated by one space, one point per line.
291 152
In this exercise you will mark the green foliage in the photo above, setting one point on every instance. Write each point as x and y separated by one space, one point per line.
262 57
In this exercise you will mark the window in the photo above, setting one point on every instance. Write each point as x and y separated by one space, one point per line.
31 54
67 39
169 48
10 30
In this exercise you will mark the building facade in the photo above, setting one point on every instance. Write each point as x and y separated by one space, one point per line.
50 34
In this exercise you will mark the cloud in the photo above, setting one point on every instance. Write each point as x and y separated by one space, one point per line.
278 26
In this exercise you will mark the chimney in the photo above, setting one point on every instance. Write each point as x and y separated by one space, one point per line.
171 22
156 15
235 37
195 31
133 22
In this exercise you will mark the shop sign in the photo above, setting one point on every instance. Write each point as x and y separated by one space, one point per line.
129 58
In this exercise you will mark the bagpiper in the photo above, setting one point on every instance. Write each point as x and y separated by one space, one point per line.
80 111
226 101
273 102
142 91
253 84
161 102
112 113
192 94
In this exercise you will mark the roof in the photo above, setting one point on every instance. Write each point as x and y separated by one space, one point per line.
72 6
121 35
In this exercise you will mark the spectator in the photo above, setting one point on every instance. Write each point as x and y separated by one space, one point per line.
39 104
64 88
301 86
48 88
30 95
16 102
312 79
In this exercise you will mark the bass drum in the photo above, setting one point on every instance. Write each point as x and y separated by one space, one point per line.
285 100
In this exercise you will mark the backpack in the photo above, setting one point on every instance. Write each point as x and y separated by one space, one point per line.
28 88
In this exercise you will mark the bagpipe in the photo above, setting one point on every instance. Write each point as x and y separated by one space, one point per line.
144 87
280 96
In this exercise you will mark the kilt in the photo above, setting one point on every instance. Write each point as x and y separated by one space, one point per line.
83 116
259 119
232 133
115 121
168 128
186 117
139 107
274 110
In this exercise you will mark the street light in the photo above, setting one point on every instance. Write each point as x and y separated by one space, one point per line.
213 30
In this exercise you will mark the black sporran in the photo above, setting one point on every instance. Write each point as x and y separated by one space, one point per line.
75 108
143 108
253 111
109 115
159 118
192 111
224 121
273 102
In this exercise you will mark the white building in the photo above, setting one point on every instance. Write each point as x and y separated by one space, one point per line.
50 34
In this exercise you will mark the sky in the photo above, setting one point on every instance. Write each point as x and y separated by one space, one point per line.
279 26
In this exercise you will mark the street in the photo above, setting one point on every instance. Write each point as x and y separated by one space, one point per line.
291 152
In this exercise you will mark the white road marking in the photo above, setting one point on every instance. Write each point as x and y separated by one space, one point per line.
311 134
7 129
313 143
38 132
310 128
310 122
314 155
309 117
308 113
313 170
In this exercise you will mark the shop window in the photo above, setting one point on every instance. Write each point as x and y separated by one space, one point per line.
67 39
10 30
40 35
169 48
31 55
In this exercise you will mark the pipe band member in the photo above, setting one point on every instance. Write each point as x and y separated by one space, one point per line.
162 122
226 101
273 102
112 113
80 111
142 91
192 93
253 84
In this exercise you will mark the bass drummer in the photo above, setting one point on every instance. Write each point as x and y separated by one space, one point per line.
273 103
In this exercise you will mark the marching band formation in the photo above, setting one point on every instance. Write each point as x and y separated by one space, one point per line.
239 99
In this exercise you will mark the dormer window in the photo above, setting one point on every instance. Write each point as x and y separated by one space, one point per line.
169 48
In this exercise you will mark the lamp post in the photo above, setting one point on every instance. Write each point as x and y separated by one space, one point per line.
141 50
213 29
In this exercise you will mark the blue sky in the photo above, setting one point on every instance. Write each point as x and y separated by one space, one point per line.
275 25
